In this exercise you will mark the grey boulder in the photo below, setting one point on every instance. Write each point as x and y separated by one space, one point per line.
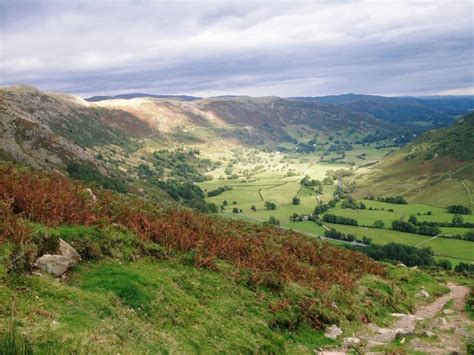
67 250
54 264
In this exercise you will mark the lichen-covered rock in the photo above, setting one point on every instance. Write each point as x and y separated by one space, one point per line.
68 251
333 332
54 264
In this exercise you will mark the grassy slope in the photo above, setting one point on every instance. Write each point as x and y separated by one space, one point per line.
141 294
166 306
436 169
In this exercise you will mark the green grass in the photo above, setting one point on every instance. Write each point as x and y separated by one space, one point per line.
367 217
453 249
454 230
149 307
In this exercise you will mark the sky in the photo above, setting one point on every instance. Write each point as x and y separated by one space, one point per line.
282 48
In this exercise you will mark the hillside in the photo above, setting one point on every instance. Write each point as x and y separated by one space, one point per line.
137 145
437 111
437 168
154 279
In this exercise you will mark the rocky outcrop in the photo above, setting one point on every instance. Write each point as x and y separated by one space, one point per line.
54 264
333 332
57 265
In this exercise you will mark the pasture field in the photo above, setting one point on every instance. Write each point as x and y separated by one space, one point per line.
444 248
454 230
272 184
275 177
367 217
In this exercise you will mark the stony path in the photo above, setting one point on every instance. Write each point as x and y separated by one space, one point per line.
431 329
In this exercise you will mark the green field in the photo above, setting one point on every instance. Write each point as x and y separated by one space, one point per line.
444 248
367 217
270 182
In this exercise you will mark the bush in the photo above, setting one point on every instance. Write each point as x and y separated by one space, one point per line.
379 224
464 268
270 206
272 221
457 220
444 264
235 210
296 200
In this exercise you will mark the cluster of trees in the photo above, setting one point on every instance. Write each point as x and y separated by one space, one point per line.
399 253
295 217
331 218
218 191
188 193
91 175
468 236
350 202
181 164
412 227
410 256
464 268
334 234
398 200
270 206
323 207
459 209
312 184
336 174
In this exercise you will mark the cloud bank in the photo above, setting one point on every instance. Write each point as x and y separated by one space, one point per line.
239 47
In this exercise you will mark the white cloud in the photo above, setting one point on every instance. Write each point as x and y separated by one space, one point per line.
308 47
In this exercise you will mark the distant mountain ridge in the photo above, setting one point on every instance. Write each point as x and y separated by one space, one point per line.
139 95
440 111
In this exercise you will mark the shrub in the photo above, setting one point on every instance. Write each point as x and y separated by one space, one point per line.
296 201
464 268
379 224
270 205
444 264
272 221
457 220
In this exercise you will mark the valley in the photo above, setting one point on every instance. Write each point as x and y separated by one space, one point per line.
299 210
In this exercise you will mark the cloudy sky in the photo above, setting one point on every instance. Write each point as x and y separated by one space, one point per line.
239 47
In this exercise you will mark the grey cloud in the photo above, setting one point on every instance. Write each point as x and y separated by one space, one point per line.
238 48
